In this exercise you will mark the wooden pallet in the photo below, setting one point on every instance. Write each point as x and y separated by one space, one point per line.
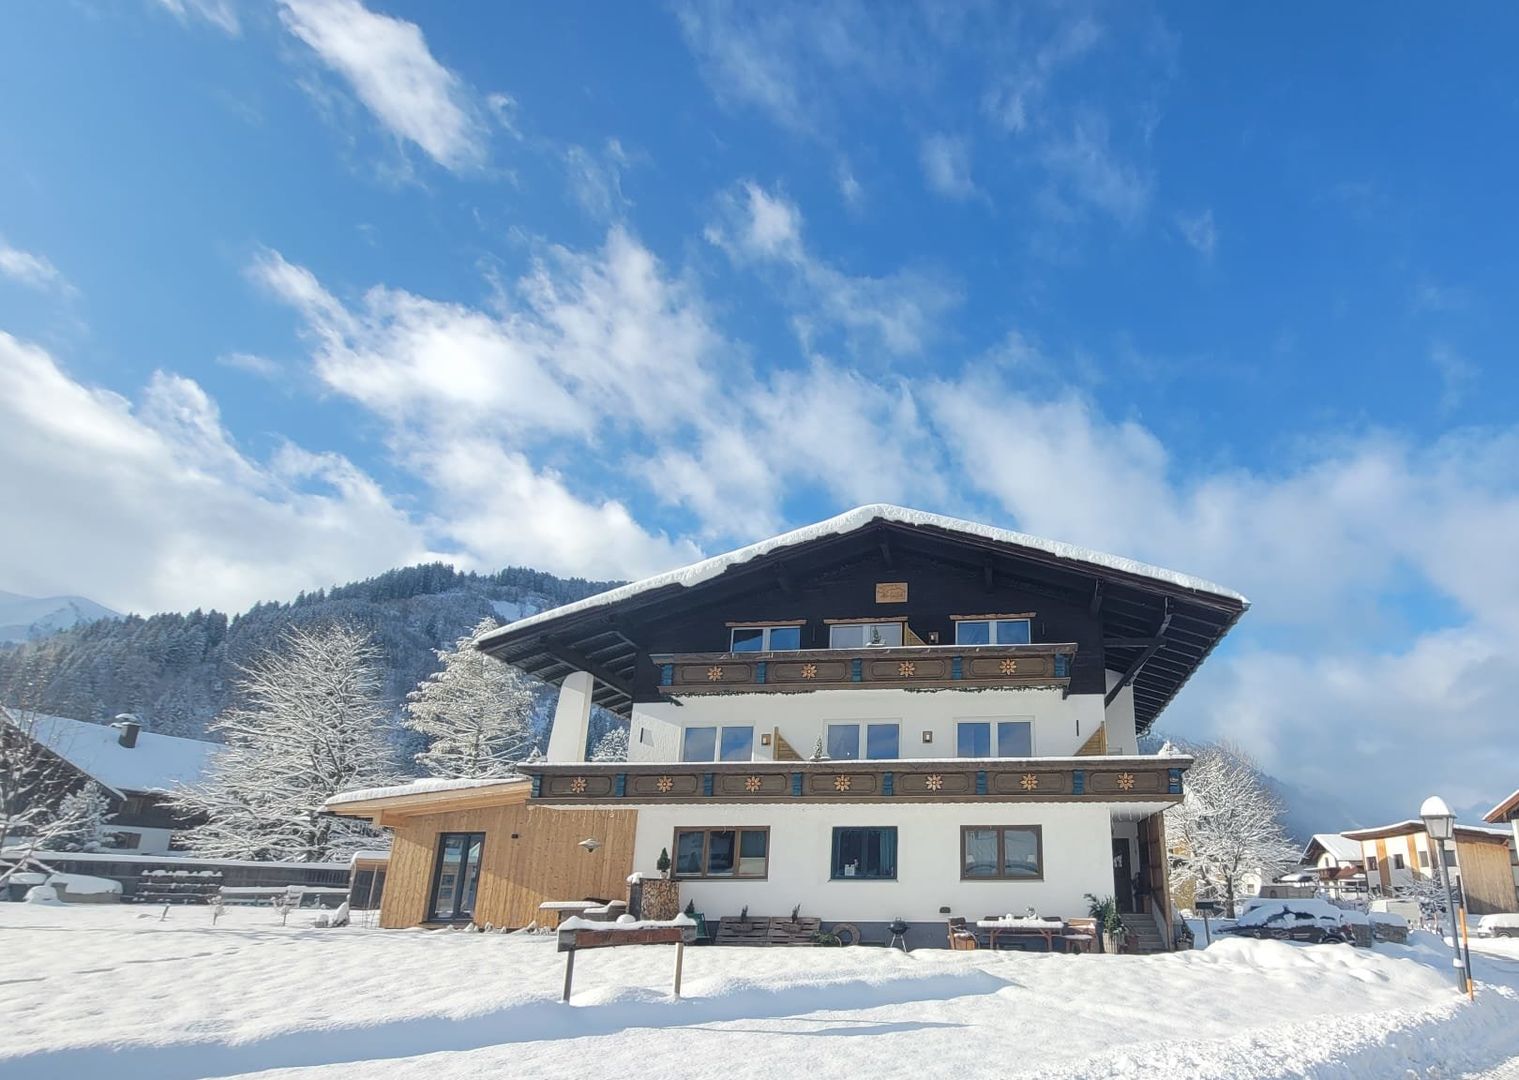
766 931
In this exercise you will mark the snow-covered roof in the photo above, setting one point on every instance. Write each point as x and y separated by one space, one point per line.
1503 809
1414 825
850 521
424 786
158 763
1341 847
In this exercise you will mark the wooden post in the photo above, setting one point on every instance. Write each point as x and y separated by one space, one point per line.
569 972
680 955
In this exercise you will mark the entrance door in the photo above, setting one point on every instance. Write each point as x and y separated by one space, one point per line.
1123 875
456 877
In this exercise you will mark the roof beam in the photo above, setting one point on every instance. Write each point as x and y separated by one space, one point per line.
1139 661
581 662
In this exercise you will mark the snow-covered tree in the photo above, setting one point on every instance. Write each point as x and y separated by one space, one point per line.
43 802
84 813
309 724
1227 827
613 746
476 713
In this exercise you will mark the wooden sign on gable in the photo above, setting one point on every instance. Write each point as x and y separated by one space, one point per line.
891 592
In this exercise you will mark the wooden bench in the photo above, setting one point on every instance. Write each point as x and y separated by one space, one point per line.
766 931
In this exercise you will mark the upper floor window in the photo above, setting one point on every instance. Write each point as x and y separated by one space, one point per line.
992 632
860 635
1014 738
736 743
766 638
882 741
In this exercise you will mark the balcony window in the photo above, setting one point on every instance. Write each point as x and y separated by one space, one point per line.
864 854
861 635
766 639
992 632
702 743
1015 738
882 741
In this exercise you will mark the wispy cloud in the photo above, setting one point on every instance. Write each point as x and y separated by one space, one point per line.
1199 232
1457 375
946 166
221 14
32 270
388 66
1084 163
595 179
251 363
1015 96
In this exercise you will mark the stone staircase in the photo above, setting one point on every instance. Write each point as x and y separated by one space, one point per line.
1144 935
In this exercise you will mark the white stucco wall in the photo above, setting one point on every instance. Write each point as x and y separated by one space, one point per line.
1061 725
1077 860
1120 719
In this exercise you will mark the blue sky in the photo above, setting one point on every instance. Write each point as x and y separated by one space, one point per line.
294 291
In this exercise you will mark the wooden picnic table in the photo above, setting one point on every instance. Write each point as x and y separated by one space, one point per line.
1044 928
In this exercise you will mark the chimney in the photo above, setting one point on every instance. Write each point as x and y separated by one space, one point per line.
128 726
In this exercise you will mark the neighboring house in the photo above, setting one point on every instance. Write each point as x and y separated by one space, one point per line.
137 770
889 714
1398 857
1337 863
1507 812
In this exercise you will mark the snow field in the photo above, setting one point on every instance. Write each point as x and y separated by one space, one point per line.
111 990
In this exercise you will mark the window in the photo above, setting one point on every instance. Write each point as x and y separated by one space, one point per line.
737 744
992 632
1001 853
1371 862
703 743
722 853
766 638
1450 857
1397 862
859 635
646 736
1424 858
868 854
456 876
1015 738
882 741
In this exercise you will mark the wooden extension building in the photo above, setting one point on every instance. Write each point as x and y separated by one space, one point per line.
886 715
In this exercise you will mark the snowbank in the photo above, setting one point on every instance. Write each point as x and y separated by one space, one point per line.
84 884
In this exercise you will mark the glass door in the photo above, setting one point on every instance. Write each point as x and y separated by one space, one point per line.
456 877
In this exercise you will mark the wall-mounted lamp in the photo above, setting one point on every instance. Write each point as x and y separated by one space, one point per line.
928 736
590 843
765 738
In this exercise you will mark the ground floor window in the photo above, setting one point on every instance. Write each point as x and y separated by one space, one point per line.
722 853
1001 853
869 853
456 875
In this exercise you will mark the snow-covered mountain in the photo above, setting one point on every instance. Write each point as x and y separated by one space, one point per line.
25 617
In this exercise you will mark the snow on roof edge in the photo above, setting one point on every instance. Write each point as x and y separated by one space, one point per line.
847 522
1372 832
422 786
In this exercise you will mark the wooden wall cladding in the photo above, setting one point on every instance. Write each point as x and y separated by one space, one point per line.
531 854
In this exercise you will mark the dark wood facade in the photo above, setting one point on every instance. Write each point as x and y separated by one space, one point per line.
1152 633
1106 780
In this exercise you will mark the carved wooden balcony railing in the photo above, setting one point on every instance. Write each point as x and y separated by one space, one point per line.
1113 779
917 667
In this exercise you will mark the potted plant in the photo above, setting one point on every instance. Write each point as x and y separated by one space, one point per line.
662 864
1109 922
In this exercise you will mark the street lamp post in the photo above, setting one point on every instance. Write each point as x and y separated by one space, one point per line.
1440 824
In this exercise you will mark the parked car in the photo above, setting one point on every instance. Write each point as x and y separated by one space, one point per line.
1308 920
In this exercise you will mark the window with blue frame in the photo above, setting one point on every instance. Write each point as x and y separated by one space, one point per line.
864 854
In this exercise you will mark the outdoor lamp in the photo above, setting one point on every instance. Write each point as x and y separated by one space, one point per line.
590 844
1439 822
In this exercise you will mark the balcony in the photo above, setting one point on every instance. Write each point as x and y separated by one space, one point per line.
914 667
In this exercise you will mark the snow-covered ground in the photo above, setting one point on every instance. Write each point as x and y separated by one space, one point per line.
112 991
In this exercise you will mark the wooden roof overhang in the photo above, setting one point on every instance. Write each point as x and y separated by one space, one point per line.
1156 632
1504 811
391 809
1472 833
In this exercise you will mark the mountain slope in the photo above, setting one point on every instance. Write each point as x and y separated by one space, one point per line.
23 618
177 672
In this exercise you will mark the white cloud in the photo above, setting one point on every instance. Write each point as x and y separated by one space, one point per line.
221 14
388 65
1016 94
1457 374
31 270
596 179
1084 162
153 506
1199 232
897 314
946 166
251 363
850 189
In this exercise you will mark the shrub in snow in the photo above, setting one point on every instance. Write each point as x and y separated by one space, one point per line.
311 725
475 712
613 746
